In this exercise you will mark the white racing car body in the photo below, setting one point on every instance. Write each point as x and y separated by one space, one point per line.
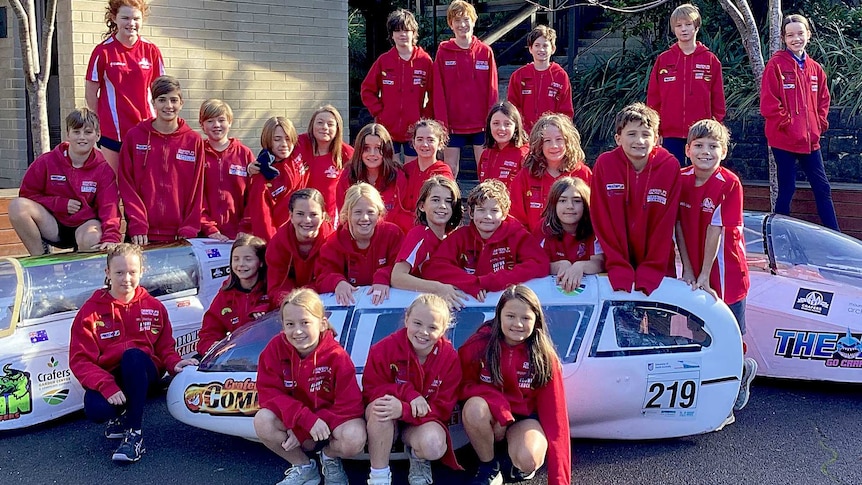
39 297
634 367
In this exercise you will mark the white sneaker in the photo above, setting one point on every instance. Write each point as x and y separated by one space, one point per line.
729 420
333 471
420 470
381 480
749 370
301 475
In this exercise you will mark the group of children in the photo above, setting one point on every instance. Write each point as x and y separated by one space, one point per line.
310 213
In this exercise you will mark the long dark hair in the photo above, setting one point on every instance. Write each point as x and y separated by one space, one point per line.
551 221
259 246
357 172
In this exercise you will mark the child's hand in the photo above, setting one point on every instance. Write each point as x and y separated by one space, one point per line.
379 293
253 168
73 206
702 283
219 237
184 363
387 408
291 442
344 293
140 240
419 407
320 430
570 278
454 297
688 277
480 297
106 246
256 315
118 399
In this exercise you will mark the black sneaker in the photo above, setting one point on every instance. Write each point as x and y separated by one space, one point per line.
131 448
511 473
488 474
116 428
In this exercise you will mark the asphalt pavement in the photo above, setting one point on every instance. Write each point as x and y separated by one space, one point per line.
791 432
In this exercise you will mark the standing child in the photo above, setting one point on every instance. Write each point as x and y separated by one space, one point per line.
513 387
566 233
243 296
309 398
493 252
397 86
226 162
555 151
293 251
322 154
710 227
121 343
373 162
278 177
505 144
161 172
439 213
68 197
465 84
543 86
634 199
410 385
794 99
686 84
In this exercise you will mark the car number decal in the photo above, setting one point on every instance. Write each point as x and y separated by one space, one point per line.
672 389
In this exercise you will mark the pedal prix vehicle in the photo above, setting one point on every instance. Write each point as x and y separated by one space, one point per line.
635 367
804 308
39 297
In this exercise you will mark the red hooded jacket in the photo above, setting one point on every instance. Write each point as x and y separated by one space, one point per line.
340 259
231 309
161 182
510 256
52 181
389 193
530 193
685 89
634 216
566 248
322 174
268 201
795 103
513 398
502 165
393 368
225 182
409 188
394 91
286 268
105 327
535 93
465 85
302 390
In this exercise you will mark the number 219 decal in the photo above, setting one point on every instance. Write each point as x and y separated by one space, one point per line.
672 394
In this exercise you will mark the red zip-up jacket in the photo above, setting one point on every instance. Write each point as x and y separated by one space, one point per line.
530 193
225 181
685 89
394 91
389 193
795 103
510 256
231 309
161 182
535 93
393 368
502 165
268 201
105 327
409 188
634 216
340 259
322 174
566 248
513 398
418 246
286 268
302 390
52 181
465 85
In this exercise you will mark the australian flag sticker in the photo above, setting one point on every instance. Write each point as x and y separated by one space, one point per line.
38 336
213 253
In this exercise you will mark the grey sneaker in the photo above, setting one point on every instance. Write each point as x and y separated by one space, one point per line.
420 470
728 420
301 475
131 449
387 480
488 474
749 370
333 471
116 428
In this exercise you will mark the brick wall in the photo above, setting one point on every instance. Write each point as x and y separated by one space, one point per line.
13 141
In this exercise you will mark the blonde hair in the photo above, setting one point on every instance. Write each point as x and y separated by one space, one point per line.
335 144
213 108
310 301
81 117
354 194
458 8
535 160
269 130
434 303
685 11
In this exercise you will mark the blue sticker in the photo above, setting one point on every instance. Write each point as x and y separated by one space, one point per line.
38 336
213 253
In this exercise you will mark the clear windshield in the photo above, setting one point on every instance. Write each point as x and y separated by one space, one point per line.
10 295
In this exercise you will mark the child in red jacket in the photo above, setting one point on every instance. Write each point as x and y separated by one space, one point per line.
542 86
505 144
794 100
439 213
242 298
513 388
398 83
465 84
276 175
293 251
555 151
566 233
67 197
121 344
309 398
634 200
161 172
226 177
493 252
685 84
361 251
410 384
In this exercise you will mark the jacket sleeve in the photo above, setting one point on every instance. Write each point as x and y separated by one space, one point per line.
554 418
621 274
370 90
208 223
278 262
258 213
133 205
513 92
84 355
651 271
383 276
438 93
653 93
518 191
494 88
719 106
108 205
164 348
349 402
444 267
33 187
771 102
823 101
191 224
213 327
329 267
272 395
530 262
443 401
472 386
376 381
